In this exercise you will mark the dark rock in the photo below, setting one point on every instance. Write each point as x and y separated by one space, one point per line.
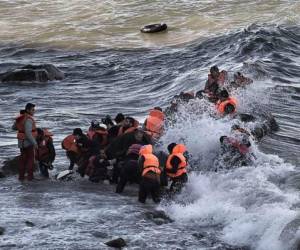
199 235
33 73
158 217
117 243
99 234
29 223
10 166
2 175
2 230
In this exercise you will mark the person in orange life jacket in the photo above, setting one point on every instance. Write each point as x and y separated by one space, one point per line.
226 105
129 125
113 131
129 170
150 175
176 167
119 147
45 153
97 133
26 127
72 150
86 149
216 79
154 123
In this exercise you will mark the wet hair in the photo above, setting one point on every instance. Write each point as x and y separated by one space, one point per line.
171 146
107 121
40 131
229 108
158 108
223 94
29 106
119 118
95 124
214 69
131 120
77 131
22 111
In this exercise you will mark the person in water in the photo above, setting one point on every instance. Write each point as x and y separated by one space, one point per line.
176 167
226 105
150 175
27 132
215 81
113 131
239 80
45 152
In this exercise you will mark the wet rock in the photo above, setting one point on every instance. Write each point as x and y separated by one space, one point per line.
10 166
33 73
29 223
158 217
99 234
117 243
2 175
2 230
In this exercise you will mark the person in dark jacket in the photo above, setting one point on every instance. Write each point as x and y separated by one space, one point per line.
129 169
45 152
119 147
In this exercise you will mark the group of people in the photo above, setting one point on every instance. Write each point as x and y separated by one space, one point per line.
121 150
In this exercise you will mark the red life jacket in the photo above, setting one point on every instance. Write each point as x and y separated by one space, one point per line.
151 162
128 130
243 149
42 152
20 124
178 151
154 123
102 132
221 105
69 144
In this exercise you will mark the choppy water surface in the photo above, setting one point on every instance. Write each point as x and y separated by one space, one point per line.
256 206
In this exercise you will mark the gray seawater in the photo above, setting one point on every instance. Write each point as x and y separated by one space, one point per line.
110 67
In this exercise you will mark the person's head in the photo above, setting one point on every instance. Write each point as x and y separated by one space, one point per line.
40 133
138 135
30 108
119 118
158 108
214 71
229 109
223 95
107 121
95 124
171 146
129 122
77 132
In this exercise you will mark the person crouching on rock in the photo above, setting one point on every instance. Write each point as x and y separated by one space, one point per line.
26 127
150 179
176 167
45 153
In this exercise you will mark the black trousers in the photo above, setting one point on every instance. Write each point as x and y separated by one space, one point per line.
44 169
128 172
178 183
149 186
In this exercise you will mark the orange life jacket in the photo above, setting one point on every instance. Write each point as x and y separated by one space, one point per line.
128 130
20 124
154 123
103 133
178 151
151 162
69 144
221 105
221 79
42 151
